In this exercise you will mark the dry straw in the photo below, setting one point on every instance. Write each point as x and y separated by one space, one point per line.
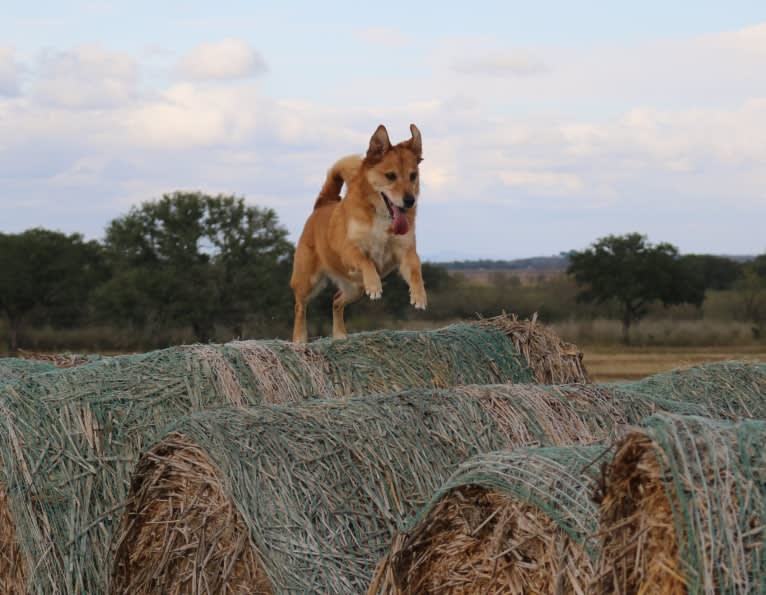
505 522
58 360
684 509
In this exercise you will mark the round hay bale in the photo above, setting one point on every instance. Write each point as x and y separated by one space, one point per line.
733 389
188 512
684 509
505 522
324 486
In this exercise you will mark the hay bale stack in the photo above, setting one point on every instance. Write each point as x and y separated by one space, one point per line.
69 441
684 510
496 350
506 522
322 486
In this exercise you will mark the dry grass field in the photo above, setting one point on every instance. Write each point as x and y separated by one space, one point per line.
606 364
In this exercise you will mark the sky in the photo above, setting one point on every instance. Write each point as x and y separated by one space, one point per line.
546 125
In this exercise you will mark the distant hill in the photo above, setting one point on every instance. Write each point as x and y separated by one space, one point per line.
537 263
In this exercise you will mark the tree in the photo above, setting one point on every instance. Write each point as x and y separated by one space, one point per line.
751 294
715 272
635 273
198 260
46 274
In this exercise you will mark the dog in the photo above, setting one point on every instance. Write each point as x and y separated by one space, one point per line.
358 240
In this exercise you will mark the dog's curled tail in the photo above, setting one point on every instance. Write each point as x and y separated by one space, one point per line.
343 171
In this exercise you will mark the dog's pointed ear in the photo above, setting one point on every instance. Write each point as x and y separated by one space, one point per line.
379 144
416 142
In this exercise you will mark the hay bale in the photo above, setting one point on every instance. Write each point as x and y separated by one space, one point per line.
506 522
551 360
731 388
322 486
684 510
193 515
497 350
70 440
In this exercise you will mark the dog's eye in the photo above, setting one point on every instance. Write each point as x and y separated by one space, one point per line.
413 176
391 176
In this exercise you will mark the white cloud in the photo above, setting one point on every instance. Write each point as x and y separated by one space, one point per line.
543 182
384 36
9 72
185 115
86 77
505 63
230 59
750 39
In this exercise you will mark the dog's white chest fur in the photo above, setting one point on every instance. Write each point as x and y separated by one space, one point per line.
374 240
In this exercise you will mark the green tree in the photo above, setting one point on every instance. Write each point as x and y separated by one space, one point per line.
751 295
715 272
758 266
198 260
634 273
48 275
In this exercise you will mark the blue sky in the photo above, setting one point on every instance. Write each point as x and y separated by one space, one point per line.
545 125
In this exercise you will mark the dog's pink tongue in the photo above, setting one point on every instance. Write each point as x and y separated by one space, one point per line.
400 225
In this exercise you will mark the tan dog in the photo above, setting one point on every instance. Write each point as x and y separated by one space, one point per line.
356 241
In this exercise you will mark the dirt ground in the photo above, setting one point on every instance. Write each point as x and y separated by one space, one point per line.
606 364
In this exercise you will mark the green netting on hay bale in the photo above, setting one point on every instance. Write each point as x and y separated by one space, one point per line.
730 388
321 487
722 390
72 445
13 368
684 509
497 350
506 522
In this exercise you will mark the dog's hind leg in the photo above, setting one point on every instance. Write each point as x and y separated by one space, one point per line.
306 282
347 295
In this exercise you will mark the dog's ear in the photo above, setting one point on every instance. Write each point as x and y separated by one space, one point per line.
379 144
416 142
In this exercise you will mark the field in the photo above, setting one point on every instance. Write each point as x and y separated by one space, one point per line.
606 364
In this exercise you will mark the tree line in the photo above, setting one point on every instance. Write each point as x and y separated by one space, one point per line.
219 267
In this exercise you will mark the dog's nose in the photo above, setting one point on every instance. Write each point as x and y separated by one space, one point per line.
409 201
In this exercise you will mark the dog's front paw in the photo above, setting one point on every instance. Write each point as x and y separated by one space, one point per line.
374 289
418 299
